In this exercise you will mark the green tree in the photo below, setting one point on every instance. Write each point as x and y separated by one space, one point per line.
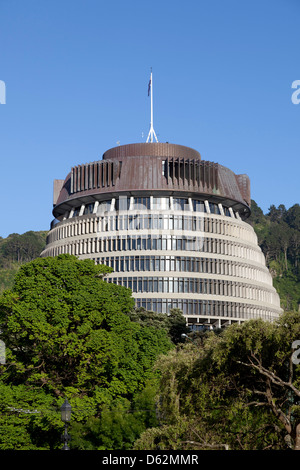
67 332
277 214
294 247
21 248
29 419
278 235
257 216
15 250
119 424
260 355
174 323
292 217
239 389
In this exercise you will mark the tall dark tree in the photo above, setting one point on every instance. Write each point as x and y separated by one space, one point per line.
238 389
65 326
293 217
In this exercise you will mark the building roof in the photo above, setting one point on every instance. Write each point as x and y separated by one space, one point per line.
166 168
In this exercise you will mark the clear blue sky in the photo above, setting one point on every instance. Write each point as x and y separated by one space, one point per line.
76 75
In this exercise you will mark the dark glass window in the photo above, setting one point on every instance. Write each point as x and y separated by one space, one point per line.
180 204
142 203
198 206
89 208
76 211
122 203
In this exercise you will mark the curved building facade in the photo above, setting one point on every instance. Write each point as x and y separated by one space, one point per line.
172 226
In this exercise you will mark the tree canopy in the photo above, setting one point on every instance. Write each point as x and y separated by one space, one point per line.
23 248
238 389
68 332
278 234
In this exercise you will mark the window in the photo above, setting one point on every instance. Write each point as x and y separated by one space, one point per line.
89 208
76 211
141 203
198 206
181 204
104 206
161 203
122 203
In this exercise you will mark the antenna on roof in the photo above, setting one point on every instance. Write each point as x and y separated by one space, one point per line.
151 131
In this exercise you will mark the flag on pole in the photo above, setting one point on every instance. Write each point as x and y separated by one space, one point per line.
149 86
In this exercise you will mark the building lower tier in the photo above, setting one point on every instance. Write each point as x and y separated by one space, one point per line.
206 263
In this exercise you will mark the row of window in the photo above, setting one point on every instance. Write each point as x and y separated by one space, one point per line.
213 308
172 222
169 243
124 203
193 286
152 222
184 264
157 243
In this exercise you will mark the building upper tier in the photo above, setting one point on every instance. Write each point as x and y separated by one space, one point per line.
149 169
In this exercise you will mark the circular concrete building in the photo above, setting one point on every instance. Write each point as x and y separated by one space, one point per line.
172 226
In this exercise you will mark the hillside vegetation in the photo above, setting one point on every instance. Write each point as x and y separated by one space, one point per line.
278 235
16 250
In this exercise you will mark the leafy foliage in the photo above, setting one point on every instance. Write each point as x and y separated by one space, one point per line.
25 415
64 326
67 332
21 248
278 235
18 249
173 323
237 389
119 424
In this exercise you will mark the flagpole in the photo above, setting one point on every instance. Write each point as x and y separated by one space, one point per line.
151 122
151 131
